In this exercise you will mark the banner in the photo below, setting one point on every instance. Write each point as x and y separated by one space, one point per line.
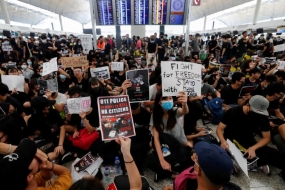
14 81
49 67
181 76
279 48
86 42
7 47
117 66
139 91
115 117
45 85
76 105
100 73
74 61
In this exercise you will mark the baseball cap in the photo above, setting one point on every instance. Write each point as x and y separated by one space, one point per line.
259 104
214 161
40 103
17 164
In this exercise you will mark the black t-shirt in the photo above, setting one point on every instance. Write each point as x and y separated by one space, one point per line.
258 91
48 126
63 86
118 79
142 119
151 47
242 127
212 44
78 49
107 49
242 46
229 95
15 103
260 41
227 47
83 84
273 105
249 83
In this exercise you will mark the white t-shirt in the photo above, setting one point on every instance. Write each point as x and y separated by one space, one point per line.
61 98
152 91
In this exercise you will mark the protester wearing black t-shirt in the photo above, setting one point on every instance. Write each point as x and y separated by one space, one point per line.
268 48
161 47
242 44
261 42
212 45
240 124
225 51
253 80
77 48
260 89
230 93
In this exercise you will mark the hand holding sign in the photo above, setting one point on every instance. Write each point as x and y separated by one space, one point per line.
182 97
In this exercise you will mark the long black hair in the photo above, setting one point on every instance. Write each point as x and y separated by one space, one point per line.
158 115
87 183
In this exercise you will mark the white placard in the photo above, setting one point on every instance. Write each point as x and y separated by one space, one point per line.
7 47
281 65
50 85
177 76
238 156
117 66
76 105
50 66
100 73
279 48
14 81
86 42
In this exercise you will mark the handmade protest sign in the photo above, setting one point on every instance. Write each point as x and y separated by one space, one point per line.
76 105
74 61
281 65
14 81
115 117
181 76
50 66
117 66
100 73
139 91
7 47
86 42
279 48
45 85
269 60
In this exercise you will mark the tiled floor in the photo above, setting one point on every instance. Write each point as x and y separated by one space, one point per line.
257 181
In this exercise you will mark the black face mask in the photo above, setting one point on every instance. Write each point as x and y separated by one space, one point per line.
96 89
254 116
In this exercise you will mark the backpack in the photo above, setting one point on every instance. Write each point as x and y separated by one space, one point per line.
122 183
215 106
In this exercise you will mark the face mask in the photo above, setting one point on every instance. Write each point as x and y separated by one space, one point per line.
24 66
165 37
6 42
44 41
271 41
36 42
167 105
41 74
53 39
96 89
62 76
29 62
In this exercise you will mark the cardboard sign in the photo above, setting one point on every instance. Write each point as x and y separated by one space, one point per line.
139 91
49 67
115 117
100 73
7 47
86 42
76 105
67 62
181 76
117 66
14 81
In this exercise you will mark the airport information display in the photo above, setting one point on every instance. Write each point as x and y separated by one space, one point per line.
159 8
105 12
141 11
177 12
123 8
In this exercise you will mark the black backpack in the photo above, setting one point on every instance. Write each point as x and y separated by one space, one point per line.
122 183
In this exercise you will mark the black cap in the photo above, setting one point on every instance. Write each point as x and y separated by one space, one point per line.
40 103
17 164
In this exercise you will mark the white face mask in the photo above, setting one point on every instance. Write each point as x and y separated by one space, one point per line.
44 41
271 40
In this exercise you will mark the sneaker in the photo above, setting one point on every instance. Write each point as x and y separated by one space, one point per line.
265 169
69 156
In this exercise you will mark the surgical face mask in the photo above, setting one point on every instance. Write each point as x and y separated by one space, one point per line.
24 66
151 40
165 37
167 105
6 42
62 76
44 41
29 63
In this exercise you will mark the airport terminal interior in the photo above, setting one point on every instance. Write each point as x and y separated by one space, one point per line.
142 94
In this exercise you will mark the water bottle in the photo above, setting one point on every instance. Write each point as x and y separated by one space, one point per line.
117 165
107 174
